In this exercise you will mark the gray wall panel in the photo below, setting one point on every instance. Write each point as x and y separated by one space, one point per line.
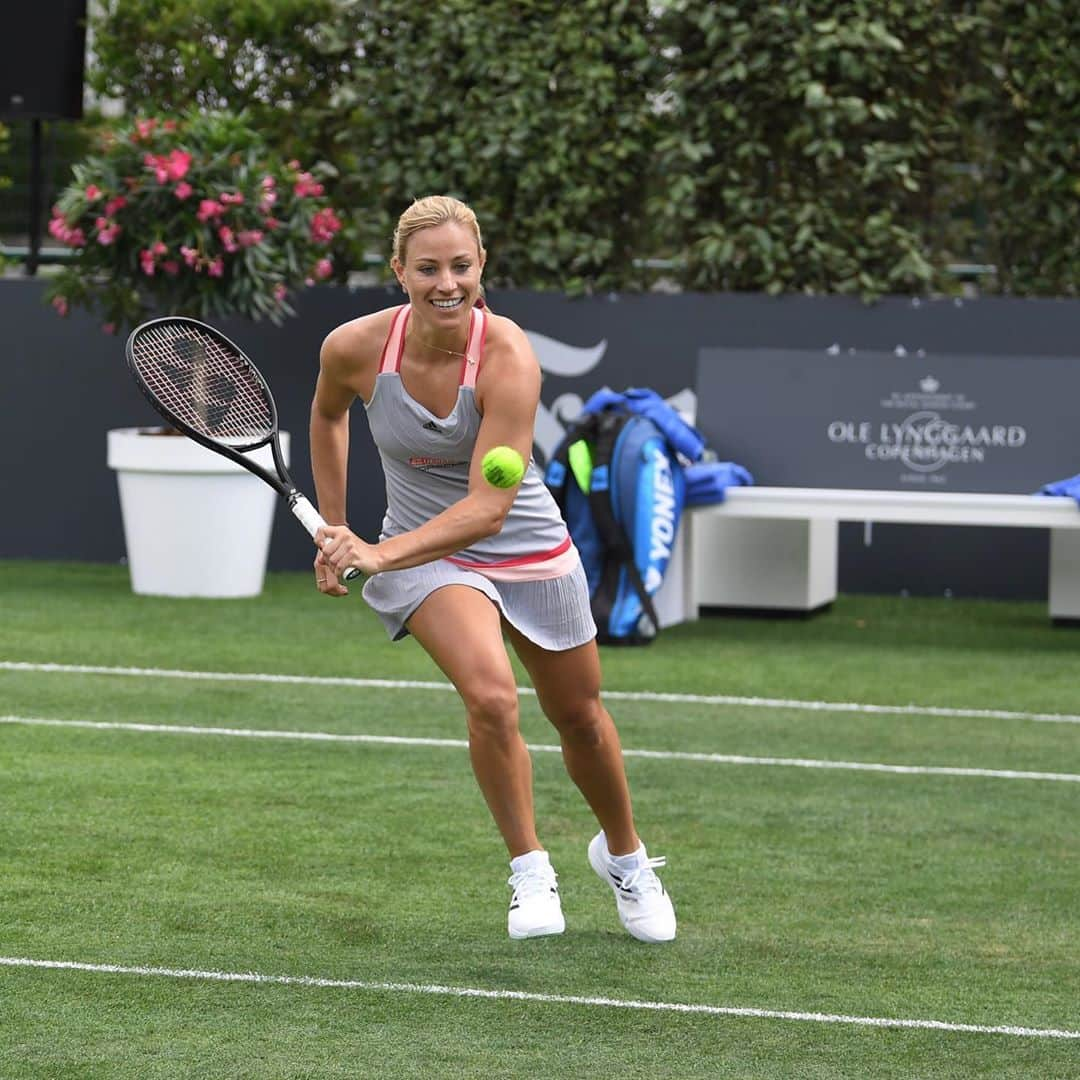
64 385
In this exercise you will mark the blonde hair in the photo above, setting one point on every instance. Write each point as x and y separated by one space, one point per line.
428 212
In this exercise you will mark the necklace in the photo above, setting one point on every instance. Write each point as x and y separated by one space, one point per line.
437 348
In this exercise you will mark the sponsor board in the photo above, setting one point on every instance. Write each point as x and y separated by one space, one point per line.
891 420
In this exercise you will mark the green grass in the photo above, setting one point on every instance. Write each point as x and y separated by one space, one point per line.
810 890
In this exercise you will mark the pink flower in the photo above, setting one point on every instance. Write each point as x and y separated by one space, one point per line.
108 231
183 190
179 162
93 192
280 292
148 257
216 267
61 305
171 267
158 164
144 129
115 204
225 234
190 255
323 269
267 201
59 228
250 237
324 225
271 223
232 198
306 184
209 208
268 183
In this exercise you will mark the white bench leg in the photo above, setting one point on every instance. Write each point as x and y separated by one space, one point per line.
1065 573
762 563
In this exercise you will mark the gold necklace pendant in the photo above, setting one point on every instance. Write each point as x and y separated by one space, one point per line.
439 348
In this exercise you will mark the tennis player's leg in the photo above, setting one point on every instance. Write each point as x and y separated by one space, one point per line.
567 685
459 627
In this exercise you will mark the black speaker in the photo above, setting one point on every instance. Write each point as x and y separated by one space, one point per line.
43 61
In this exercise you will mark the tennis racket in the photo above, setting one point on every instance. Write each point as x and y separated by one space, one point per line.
205 386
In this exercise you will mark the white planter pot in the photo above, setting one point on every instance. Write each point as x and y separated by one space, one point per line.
195 523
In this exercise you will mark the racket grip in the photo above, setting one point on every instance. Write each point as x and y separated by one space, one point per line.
313 521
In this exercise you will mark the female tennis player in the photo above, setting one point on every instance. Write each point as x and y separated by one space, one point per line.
459 562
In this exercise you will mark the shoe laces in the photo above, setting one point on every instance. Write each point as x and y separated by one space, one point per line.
642 880
535 881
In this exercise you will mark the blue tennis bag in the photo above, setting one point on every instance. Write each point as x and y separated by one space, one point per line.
619 483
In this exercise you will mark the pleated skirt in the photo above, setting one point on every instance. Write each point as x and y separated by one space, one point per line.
553 613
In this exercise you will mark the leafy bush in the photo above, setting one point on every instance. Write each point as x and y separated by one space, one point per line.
195 216
539 116
855 146
809 146
1026 117
263 57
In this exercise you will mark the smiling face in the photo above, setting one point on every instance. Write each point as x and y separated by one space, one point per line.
440 270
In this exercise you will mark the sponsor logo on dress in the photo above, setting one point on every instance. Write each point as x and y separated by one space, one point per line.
435 463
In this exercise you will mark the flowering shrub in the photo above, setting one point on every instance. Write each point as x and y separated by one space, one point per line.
193 216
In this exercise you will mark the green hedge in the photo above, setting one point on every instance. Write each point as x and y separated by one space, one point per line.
859 146
809 144
1027 111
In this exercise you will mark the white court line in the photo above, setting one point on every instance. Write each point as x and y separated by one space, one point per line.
662 755
545 999
614 695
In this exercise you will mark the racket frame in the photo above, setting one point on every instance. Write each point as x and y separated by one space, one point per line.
282 483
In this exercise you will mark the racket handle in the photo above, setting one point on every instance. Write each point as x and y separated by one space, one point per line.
313 521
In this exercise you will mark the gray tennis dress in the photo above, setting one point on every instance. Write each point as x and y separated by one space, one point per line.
530 570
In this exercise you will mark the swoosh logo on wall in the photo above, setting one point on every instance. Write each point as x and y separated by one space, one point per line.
558 358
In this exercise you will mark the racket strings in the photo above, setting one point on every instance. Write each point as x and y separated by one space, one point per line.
203 383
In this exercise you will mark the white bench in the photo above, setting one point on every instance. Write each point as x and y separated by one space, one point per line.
776 547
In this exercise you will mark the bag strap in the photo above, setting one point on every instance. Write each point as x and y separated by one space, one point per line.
557 472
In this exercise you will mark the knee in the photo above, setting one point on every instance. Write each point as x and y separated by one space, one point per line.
492 707
583 721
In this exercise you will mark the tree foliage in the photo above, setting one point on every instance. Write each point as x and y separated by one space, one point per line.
856 146
1026 120
809 144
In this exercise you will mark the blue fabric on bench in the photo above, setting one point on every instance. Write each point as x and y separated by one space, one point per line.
707 481
1069 487
687 440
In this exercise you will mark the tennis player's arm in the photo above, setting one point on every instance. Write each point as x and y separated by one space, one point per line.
335 391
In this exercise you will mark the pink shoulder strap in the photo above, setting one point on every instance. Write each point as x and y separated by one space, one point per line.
474 350
395 341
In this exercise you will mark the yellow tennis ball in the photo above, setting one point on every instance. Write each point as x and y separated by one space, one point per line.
503 467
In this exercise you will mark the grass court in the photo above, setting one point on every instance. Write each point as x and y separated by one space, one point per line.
242 838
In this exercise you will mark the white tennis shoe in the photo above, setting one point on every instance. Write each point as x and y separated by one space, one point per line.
535 908
645 908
